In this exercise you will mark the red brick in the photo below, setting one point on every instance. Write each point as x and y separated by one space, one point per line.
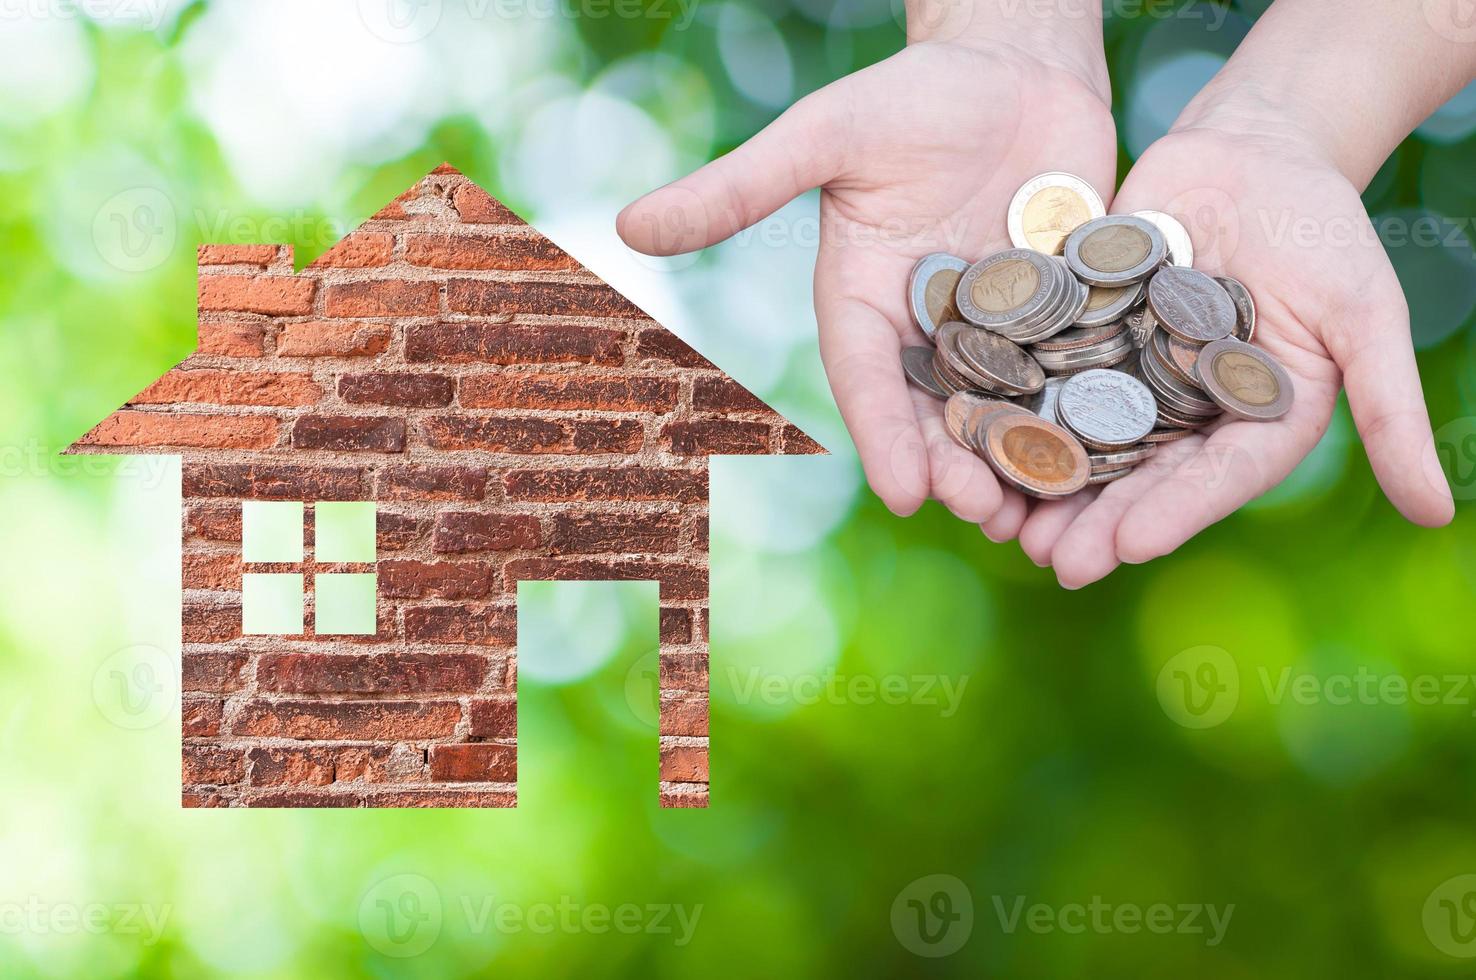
474 625
126 428
201 717
404 579
684 763
215 387
398 388
417 482
532 434
395 210
360 250
354 433
512 389
213 673
327 338
620 533
395 532
193 800
271 295
493 717
382 297
271 481
613 483
685 800
509 343
291 767
459 532
795 443
678 581
380 673
214 521
684 672
302 799
212 765
262 255
660 344
716 437
210 624
368 720
475 762
522 250
482 297
231 339
220 572
723 394
676 626
325 765
475 206
684 714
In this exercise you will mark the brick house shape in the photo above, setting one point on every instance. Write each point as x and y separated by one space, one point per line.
509 416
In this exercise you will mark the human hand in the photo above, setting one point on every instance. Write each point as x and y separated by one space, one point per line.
920 153
1267 207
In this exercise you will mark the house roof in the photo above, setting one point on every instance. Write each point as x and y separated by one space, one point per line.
444 323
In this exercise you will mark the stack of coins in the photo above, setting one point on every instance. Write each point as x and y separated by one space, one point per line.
1067 359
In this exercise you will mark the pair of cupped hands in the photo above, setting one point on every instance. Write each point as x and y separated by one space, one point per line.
923 152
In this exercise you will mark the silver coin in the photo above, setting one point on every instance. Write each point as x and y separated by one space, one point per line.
1117 250
917 364
1180 245
1078 337
1007 287
1142 323
996 361
1245 308
1121 457
1107 409
1043 402
1190 305
932 288
1107 476
1186 401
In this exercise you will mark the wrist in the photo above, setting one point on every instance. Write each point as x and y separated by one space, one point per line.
1064 35
1252 111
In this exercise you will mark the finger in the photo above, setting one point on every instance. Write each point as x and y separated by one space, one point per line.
796 152
862 356
1383 383
1087 550
1047 521
1239 462
1007 520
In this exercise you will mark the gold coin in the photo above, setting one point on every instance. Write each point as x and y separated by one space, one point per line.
1050 215
1115 248
938 295
1246 378
1005 286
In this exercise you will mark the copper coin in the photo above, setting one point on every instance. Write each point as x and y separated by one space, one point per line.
961 415
1245 308
1035 456
1245 381
917 364
1167 435
1190 305
999 362
931 290
1175 356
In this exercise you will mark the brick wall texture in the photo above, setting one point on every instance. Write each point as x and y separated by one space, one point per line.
513 417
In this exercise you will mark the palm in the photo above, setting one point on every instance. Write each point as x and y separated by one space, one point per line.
1296 233
920 153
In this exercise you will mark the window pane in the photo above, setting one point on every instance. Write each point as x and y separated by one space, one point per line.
344 603
271 530
343 531
271 604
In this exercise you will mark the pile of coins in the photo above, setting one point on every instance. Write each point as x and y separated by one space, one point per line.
1067 359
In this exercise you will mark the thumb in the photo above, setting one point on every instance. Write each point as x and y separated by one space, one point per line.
796 152
1383 381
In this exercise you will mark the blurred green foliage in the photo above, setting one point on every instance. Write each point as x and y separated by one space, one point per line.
893 700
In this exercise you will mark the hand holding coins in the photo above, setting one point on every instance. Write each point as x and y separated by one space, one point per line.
1066 360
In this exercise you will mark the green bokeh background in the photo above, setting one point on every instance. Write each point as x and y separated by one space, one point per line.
893 699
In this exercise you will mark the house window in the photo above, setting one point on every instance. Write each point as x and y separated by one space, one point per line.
338 567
